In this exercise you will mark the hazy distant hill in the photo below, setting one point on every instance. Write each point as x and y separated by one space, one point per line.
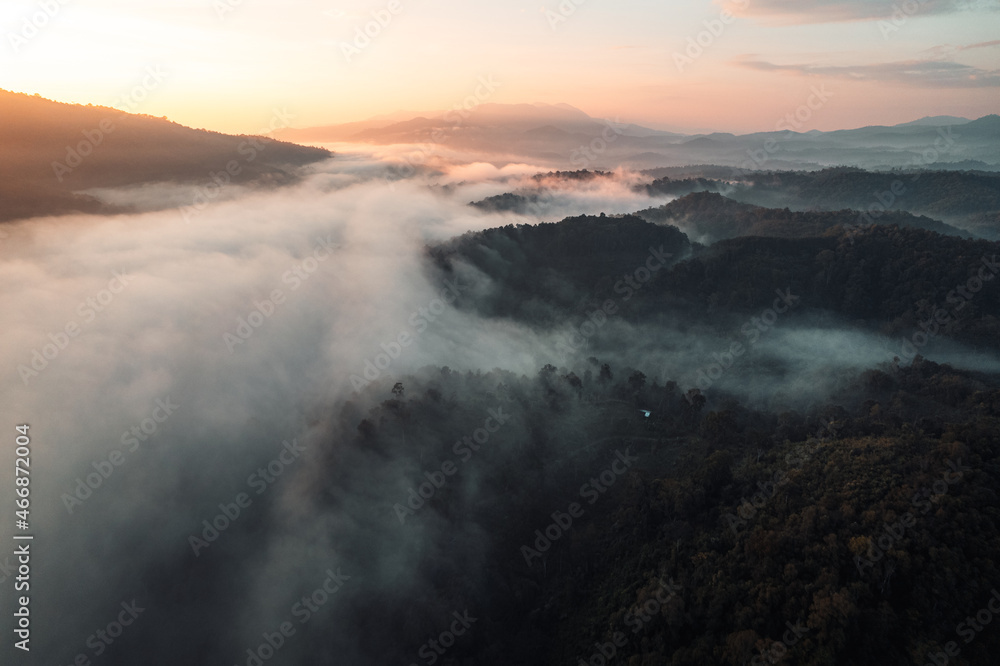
562 136
49 150
966 200
710 217
936 121
488 122
969 200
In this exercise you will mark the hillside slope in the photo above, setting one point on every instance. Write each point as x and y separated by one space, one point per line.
50 151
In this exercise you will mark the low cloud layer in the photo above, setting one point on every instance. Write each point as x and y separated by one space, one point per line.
205 350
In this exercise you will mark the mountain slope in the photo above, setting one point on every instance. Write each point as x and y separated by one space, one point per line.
50 150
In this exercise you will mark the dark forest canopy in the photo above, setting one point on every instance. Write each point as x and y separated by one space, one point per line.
869 522
886 278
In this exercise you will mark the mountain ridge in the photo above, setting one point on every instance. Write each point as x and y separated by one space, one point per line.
53 151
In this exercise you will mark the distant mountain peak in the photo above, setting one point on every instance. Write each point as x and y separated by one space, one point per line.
935 121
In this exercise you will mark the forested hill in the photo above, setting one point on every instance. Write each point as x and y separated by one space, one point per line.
50 151
891 279
966 199
869 522
538 272
709 216
886 278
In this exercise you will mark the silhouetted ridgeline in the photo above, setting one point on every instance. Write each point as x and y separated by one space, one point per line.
51 150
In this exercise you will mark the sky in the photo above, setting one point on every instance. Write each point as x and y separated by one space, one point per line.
227 65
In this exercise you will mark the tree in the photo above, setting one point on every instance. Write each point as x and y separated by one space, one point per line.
637 381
